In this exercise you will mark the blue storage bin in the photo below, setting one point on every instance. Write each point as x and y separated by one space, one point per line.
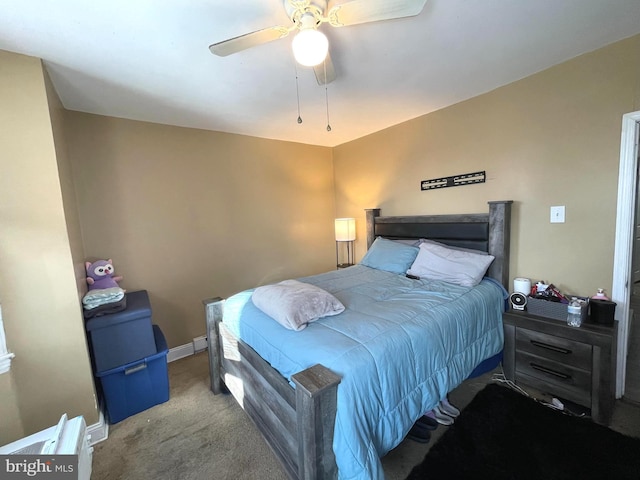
137 386
123 337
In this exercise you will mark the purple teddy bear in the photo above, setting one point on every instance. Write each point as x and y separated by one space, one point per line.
100 275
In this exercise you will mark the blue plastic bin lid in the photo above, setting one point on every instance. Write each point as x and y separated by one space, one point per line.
138 306
161 346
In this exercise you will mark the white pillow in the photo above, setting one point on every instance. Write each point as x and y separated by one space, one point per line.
294 304
433 242
438 262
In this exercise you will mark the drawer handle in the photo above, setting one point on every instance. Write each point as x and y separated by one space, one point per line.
553 348
549 371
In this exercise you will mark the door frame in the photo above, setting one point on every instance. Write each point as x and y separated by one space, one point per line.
625 229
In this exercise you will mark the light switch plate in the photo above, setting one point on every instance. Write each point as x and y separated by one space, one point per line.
557 214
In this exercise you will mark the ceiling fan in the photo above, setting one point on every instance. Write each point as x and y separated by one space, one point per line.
307 16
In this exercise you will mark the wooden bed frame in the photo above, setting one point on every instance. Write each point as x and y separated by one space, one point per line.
298 423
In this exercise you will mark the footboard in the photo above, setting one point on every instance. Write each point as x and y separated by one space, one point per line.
297 423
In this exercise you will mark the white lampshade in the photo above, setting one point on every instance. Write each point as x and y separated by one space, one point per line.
310 47
345 229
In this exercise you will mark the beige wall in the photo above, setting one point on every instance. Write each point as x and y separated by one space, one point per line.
51 373
188 214
11 426
70 204
550 139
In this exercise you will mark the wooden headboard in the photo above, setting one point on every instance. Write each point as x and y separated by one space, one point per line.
489 232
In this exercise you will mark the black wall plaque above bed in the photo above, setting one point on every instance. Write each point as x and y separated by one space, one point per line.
453 181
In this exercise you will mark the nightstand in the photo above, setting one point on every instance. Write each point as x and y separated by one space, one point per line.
576 364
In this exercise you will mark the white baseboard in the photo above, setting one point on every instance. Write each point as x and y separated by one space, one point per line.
98 432
181 351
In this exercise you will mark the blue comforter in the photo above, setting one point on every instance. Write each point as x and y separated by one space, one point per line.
400 346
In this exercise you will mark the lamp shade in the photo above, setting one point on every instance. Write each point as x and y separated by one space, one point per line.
345 229
310 47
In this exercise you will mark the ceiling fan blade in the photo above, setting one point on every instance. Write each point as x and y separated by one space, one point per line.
237 44
364 11
325 73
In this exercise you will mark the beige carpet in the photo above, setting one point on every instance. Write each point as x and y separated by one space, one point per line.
197 435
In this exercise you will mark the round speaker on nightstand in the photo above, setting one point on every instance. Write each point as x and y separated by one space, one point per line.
518 300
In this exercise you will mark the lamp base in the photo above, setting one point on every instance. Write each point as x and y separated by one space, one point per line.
349 258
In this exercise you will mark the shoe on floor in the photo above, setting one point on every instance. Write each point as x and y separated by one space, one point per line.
441 417
419 434
428 422
448 409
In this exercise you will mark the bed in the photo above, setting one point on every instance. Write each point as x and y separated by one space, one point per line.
355 382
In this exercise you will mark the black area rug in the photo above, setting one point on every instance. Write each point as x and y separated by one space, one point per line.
505 435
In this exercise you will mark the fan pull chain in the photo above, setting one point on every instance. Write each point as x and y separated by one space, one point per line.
326 95
297 93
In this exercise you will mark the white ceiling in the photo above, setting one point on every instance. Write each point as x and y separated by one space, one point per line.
149 59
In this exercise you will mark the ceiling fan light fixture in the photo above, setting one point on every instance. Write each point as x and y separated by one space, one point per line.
310 47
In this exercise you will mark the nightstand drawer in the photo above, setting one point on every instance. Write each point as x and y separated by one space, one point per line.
562 350
575 381
576 364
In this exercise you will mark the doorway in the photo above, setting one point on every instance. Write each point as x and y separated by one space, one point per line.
624 243
632 374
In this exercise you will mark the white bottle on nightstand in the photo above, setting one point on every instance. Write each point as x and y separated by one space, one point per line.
574 313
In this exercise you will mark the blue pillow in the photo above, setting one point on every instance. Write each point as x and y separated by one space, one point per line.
389 256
